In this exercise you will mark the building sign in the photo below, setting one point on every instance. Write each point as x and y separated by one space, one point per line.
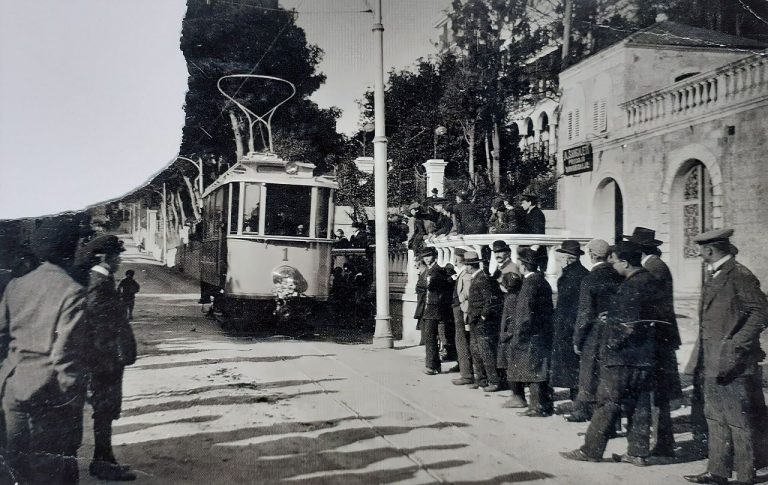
577 159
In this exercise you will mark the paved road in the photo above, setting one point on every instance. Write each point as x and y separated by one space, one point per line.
202 406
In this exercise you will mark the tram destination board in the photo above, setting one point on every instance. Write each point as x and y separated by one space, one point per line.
577 159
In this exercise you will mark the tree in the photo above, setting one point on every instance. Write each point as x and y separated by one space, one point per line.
221 38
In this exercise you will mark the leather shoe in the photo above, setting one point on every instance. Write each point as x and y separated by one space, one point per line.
577 455
431 372
534 413
515 402
104 470
455 368
462 381
491 388
632 460
706 477
576 418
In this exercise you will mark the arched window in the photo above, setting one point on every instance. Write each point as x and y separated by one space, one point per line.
697 206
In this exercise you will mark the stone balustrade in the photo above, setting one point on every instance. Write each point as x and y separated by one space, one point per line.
743 80
446 248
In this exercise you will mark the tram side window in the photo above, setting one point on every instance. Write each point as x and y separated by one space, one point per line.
288 210
235 209
321 213
251 208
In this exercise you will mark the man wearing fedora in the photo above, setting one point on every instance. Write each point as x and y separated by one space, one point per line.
469 217
431 306
733 313
502 253
595 295
484 305
531 337
668 385
565 362
628 356
43 348
460 304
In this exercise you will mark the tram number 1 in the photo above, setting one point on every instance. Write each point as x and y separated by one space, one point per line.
285 254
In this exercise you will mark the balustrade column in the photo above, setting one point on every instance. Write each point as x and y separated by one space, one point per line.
552 266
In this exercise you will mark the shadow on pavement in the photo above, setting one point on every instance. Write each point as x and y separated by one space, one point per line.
226 360
227 457
515 477
130 428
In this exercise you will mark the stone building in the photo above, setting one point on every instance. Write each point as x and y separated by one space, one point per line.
666 130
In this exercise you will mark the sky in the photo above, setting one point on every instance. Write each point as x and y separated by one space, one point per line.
92 92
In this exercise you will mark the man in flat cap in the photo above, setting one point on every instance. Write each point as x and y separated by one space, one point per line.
595 295
107 318
733 312
628 363
43 342
432 306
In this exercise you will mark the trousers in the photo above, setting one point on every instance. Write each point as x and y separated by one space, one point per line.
630 388
483 346
463 353
429 333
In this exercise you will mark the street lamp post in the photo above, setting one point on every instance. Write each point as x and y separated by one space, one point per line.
367 128
382 337
439 131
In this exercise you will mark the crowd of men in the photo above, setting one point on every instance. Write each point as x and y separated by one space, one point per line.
65 338
611 340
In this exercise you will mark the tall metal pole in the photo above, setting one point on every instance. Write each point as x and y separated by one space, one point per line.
382 336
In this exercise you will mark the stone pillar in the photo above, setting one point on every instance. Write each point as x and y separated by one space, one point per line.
411 336
435 169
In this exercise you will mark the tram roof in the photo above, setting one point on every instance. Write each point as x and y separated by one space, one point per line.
271 169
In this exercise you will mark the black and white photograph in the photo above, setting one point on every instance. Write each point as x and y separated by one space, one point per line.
469 242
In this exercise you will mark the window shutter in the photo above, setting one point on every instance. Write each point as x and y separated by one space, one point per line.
570 125
595 116
576 123
603 122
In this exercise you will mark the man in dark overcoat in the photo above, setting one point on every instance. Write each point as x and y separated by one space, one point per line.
469 217
483 317
502 253
565 362
595 296
359 237
431 306
535 222
106 316
733 313
462 281
416 229
531 342
43 344
628 359
668 385
444 222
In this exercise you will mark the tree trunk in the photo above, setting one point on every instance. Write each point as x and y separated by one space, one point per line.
488 160
238 135
471 141
193 197
496 154
180 203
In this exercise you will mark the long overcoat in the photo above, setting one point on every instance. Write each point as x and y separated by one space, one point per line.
433 296
565 362
595 297
667 334
505 351
531 343
484 304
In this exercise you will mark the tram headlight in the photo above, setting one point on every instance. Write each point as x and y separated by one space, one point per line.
291 168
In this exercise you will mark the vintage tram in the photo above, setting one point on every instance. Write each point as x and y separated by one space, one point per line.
266 231
266 236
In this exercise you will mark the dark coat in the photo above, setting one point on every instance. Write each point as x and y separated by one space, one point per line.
417 233
565 362
106 314
443 225
469 218
505 354
733 312
630 338
595 297
359 240
433 294
531 343
535 221
43 336
485 303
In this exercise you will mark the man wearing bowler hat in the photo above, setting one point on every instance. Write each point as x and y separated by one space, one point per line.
668 385
733 313
106 318
431 306
565 362
628 356
483 317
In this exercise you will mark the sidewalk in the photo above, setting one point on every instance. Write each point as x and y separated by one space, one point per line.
201 406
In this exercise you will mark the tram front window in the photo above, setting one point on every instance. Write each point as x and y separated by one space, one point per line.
288 210
251 199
